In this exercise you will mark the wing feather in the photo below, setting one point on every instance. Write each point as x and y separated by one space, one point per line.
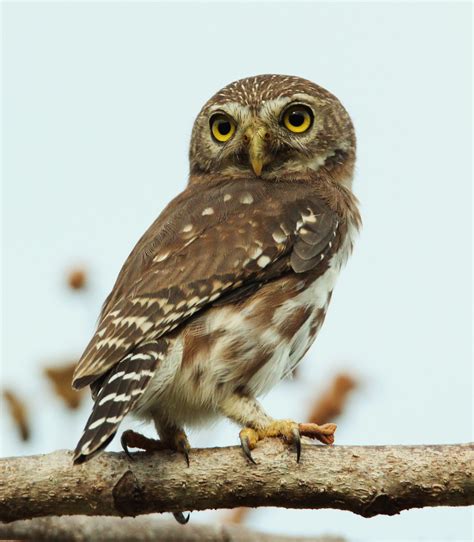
221 241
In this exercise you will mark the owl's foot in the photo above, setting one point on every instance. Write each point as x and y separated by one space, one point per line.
177 442
132 439
248 441
289 431
181 444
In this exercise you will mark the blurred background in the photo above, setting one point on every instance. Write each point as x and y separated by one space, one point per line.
98 105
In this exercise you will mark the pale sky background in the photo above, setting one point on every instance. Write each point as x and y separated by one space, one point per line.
98 105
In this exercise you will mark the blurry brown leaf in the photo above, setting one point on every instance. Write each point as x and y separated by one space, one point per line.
237 515
77 278
331 403
18 412
61 378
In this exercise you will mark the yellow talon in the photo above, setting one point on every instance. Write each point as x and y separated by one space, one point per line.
290 431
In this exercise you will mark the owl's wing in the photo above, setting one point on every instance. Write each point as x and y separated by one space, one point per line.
222 240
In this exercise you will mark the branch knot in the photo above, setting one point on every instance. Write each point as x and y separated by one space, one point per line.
128 495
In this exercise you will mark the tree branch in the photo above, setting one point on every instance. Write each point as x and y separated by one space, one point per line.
106 529
368 480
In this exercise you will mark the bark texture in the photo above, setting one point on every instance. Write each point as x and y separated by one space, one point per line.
368 480
144 529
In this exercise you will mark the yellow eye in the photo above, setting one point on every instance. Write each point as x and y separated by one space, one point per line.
222 127
298 118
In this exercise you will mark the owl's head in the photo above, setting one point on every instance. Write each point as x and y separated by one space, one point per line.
272 126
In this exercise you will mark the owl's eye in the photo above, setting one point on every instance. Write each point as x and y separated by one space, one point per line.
222 127
298 118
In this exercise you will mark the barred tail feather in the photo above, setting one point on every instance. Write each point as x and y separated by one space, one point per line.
119 393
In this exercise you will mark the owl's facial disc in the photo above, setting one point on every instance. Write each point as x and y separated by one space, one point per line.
272 127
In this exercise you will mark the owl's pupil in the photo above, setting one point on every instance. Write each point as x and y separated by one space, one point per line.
296 118
224 127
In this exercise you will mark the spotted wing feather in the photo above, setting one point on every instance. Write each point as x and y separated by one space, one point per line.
314 242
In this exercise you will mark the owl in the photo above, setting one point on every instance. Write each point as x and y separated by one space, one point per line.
225 292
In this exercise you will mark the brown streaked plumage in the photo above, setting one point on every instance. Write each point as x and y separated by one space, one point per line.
294 322
225 292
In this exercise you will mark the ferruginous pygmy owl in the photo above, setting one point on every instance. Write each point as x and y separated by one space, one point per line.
226 291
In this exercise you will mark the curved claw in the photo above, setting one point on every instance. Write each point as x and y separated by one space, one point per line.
245 443
297 441
186 455
182 446
124 443
181 518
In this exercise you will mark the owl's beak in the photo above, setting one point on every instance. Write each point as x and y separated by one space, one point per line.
257 153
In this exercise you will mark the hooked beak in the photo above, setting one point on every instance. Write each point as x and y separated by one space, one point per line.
257 152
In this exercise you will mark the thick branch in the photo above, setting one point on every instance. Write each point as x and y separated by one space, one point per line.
365 480
107 529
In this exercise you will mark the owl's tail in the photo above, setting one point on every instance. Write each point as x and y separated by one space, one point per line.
117 395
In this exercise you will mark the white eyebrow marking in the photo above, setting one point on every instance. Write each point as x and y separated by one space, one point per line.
208 211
